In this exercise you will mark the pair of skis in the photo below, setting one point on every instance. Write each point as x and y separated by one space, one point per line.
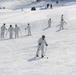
36 58
43 57
44 54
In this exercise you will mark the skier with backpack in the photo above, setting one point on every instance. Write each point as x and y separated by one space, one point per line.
41 43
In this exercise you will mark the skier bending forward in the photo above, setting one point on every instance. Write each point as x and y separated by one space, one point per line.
41 44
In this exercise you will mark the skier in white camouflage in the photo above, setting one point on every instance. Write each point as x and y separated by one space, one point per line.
3 28
11 30
41 44
17 29
61 16
49 22
29 29
62 24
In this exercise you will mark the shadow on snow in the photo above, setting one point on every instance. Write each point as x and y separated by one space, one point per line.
46 28
33 59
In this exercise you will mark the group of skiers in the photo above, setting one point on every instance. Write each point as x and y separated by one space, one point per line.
11 30
62 22
17 29
49 6
41 41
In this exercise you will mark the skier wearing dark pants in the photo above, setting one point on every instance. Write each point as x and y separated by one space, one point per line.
41 44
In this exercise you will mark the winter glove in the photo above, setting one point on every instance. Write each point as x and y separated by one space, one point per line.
46 44
39 43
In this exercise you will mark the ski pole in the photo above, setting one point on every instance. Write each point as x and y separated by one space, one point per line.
6 33
45 50
21 33
65 22
45 53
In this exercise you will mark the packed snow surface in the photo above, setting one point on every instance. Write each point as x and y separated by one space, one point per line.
17 55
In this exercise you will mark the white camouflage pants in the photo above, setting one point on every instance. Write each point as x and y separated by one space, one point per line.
11 35
2 34
16 35
42 50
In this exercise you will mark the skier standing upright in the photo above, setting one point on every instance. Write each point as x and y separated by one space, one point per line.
49 22
62 24
11 30
41 44
29 29
61 16
3 28
17 29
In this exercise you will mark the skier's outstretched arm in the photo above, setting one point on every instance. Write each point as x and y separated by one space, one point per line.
65 22
45 43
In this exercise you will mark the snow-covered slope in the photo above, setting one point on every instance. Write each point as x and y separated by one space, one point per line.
17 55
